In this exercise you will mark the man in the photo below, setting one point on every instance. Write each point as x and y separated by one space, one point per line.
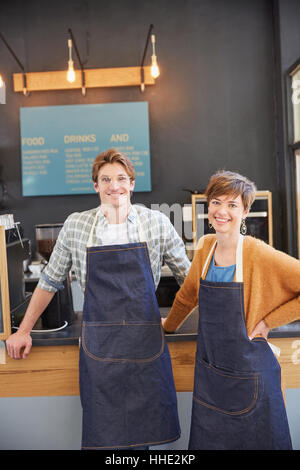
117 250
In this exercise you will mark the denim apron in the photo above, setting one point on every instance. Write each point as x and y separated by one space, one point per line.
237 399
126 382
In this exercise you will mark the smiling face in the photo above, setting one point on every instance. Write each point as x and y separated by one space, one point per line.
225 213
114 185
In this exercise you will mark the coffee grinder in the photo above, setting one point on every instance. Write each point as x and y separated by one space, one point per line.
60 310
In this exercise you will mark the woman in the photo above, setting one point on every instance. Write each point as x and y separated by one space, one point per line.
243 287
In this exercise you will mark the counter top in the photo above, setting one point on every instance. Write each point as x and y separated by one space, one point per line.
187 332
71 333
54 371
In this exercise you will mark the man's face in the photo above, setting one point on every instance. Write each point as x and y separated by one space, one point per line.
114 185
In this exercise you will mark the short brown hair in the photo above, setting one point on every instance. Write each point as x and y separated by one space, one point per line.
230 183
112 156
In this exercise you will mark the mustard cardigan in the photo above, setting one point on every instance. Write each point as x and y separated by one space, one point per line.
271 285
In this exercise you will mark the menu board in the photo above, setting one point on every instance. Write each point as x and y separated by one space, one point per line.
59 145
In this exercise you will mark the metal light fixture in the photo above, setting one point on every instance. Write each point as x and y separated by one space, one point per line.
90 78
154 66
72 73
25 92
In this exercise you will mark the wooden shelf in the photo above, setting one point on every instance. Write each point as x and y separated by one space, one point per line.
94 78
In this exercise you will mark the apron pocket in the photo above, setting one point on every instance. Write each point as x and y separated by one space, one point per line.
224 391
133 342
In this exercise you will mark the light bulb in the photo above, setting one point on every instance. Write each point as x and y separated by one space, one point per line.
71 72
154 68
1 82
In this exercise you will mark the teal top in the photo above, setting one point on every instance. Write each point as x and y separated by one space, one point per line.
220 273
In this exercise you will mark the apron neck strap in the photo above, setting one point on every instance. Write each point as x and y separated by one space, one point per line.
208 259
239 260
90 239
142 236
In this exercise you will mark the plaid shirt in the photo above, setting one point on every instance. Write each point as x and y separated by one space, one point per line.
164 245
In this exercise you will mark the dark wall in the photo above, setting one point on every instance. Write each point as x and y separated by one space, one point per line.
212 107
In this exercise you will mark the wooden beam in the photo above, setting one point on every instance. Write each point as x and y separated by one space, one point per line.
94 78
5 325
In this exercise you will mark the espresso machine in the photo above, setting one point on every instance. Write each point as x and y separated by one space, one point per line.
59 312
18 252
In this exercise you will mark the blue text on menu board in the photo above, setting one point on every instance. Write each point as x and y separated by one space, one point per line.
59 145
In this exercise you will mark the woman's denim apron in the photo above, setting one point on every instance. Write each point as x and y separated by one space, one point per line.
237 401
126 381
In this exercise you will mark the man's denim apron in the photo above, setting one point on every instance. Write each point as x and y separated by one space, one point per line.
126 381
237 401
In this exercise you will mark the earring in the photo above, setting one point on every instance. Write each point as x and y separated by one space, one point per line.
243 227
210 225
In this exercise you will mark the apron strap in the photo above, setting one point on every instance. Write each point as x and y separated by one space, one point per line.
90 239
239 260
142 236
208 259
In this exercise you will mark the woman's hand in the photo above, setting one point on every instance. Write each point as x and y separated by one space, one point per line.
260 329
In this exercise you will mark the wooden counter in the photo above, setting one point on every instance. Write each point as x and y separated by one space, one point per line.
53 370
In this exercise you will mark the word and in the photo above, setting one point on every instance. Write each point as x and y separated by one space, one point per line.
119 138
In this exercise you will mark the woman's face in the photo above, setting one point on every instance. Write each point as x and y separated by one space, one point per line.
225 213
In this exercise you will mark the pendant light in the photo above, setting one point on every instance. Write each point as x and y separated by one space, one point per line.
71 71
154 67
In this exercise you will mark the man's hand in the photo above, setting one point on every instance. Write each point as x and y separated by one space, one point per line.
260 329
18 345
163 321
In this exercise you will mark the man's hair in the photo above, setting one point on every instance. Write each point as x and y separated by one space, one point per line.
229 183
112 156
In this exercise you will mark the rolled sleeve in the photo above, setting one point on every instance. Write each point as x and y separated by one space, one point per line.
175 254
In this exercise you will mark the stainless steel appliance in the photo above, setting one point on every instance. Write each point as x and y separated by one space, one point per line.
60 310
17 251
